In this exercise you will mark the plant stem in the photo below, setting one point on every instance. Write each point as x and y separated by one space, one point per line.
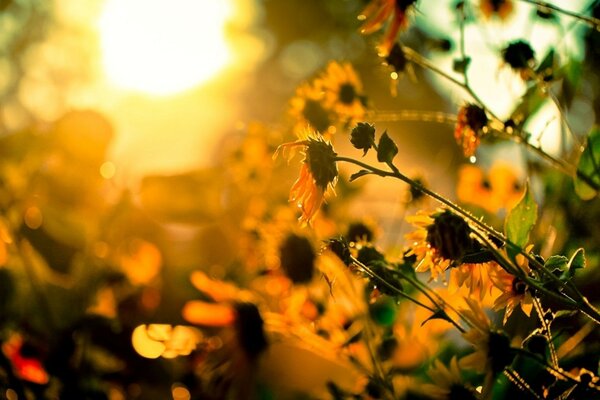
595 22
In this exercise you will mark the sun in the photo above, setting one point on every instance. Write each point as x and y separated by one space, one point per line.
163 47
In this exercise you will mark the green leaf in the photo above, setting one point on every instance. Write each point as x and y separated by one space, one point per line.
576 262
556 262
387 149
439 314
546 67
531 102
589 165
520 221
358 174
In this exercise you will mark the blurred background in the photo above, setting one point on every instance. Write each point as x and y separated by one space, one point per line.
136 143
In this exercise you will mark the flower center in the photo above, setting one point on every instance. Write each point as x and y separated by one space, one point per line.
347 93
518 286
316 115
450 236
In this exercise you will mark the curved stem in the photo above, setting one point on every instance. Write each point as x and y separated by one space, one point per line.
595 22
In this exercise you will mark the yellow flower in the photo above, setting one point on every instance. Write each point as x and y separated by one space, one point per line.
239 339
441 241
343 92
378 12
447 382
473 277
514 293
318 174
492 348
499 188
307 107
501 8
471 125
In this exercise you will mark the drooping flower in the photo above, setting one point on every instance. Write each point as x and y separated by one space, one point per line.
447 382
343 92
471 125
379 12
492 348
500 8
441 241
317 174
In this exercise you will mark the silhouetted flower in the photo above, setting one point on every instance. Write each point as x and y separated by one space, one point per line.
471 125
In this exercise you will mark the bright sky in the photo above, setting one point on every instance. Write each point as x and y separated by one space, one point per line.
163 47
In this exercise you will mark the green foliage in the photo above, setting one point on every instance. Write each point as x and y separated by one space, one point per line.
520 221
588 169
387 149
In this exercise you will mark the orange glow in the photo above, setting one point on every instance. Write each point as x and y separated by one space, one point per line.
208 314
163 47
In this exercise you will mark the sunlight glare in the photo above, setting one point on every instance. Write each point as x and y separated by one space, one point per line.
163 47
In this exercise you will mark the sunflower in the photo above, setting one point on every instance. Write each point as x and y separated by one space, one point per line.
378 12
307 108
500 188
476 278
471 125
441 241
514 293
343 92
492 348
447 382
318 175
500 8
228 360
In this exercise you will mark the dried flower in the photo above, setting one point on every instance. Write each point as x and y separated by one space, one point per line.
362 136
471 125
500 8
378 12
441 241
317 174
520 57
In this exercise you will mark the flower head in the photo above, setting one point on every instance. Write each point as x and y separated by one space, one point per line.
297 258
343 91
307 108
519 56
492 348
447 382
471 125
515 293
317 174
494 190
500 8
378 12
441 242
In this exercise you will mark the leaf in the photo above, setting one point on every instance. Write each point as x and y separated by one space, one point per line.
546 67
589 165
520 221
439 314
531 102
358 174
556 262
576 262
387 149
